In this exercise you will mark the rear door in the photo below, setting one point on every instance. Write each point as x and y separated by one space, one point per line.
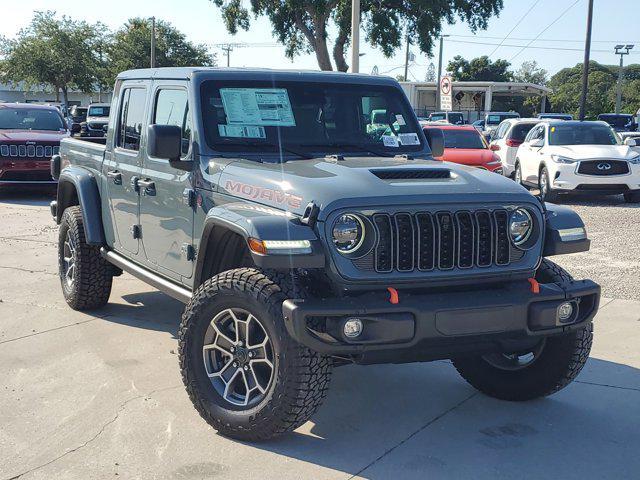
122 167
166 215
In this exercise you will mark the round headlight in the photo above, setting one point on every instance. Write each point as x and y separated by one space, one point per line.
348 233
520 226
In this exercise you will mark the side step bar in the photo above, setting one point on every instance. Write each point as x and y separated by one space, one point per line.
179 293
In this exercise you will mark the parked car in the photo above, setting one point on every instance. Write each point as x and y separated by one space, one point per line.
97 120
508 137
493 119
300 240
555 116
578 157
78 114
463 144
454 118
29 136
622 122
633 135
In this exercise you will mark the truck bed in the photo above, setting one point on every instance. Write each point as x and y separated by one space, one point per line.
85 152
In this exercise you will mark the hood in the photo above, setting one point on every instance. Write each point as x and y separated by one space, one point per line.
467 156
23 136
583 152
364 182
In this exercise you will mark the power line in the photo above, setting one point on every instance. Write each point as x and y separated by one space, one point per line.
514 27
535 47
559 40
545 29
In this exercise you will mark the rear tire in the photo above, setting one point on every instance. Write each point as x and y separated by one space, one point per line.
297 381
85 276
632 197
554 362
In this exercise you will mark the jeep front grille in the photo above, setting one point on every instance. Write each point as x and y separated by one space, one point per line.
28 151
428 241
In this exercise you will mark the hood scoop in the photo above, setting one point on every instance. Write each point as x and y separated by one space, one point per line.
412 173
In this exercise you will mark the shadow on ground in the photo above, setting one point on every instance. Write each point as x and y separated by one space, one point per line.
27 195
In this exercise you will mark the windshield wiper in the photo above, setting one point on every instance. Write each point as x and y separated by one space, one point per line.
279 147
357 146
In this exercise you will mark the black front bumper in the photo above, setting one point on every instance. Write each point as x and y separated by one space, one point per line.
427 326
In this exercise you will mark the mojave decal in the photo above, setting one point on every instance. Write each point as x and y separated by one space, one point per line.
260 193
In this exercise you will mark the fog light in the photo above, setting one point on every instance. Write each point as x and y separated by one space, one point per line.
352 327
565 312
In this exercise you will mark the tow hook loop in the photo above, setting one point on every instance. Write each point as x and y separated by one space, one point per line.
393 298
535 286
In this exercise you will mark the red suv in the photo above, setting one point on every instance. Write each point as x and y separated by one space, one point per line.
29 136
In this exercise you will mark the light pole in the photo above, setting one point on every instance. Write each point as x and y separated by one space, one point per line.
621 50
355 36
439 72
153 42
585 65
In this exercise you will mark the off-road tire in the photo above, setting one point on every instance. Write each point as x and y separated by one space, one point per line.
632 197
550 195
93 274
560 360
301 376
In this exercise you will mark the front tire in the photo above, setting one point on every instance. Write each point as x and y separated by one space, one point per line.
632 197
538 372
257 384
544 182
517 174
85 276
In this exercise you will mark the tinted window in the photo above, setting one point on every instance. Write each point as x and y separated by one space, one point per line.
131 118
172 108
462 139
520 131
99 111
258 115
30 119
495 119
456 118
437 116
616 120
581 134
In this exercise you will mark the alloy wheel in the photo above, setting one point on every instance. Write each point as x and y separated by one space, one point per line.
69 259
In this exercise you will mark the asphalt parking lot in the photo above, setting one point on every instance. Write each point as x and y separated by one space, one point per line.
99 395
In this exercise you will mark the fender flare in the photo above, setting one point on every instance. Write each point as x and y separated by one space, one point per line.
254 221
560 221
79 183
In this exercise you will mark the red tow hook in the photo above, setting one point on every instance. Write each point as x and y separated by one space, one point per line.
535 286
394 299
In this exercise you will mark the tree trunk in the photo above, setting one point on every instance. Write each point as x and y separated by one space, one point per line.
316 39
65 98
338 51
322 54
57 93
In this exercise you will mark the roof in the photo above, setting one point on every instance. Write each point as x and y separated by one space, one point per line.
496 87
30 106
448 126
188 73
554 123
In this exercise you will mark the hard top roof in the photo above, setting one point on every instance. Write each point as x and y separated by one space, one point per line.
29 106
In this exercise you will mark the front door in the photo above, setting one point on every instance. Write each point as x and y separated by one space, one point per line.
166 216
122 169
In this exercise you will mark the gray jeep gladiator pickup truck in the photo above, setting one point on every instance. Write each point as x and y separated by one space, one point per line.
303 235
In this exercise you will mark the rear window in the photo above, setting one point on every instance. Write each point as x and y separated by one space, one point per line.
462 139
99 111
437 116
31 119
519 131
456 118
495 119
616 120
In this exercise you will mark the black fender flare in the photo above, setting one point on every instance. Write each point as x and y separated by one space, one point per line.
262 223
562 231
79 185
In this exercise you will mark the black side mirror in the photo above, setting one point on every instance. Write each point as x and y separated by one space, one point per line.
435 138
165 141
75 128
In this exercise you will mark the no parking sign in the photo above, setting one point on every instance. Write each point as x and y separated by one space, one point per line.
446 103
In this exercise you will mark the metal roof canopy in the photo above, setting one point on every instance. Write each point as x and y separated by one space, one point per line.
497 88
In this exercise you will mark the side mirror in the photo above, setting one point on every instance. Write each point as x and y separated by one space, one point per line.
630 142
165 142
494 147
435 138
537 143
75 128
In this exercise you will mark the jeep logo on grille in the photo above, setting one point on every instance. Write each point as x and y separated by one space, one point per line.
604 166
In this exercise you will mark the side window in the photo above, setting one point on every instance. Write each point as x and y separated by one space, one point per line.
131 118
172 108
532 134
502 129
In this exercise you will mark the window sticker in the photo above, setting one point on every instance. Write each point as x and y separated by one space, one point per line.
409 139
390 141
241 131
258 106
400 120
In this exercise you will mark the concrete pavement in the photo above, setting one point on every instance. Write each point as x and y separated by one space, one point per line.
99 396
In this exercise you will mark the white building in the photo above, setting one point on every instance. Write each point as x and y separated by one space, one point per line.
473 98
11 94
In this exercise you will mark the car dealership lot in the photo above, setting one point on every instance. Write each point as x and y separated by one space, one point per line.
99 395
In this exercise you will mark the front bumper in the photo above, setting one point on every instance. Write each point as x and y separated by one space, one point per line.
438 325
565 179
25 171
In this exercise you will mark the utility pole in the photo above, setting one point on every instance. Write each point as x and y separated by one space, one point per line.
355 36
153 42
227 49
619 51
406 60
585 65
438 107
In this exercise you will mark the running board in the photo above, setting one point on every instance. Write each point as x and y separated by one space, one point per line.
165 286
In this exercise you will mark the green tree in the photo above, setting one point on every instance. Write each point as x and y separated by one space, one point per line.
131 46
530 72
479 69
58 53
304 26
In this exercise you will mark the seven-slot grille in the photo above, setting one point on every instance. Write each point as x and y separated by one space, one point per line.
441 241
29 151
603 167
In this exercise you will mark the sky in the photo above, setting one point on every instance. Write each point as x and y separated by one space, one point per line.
558 25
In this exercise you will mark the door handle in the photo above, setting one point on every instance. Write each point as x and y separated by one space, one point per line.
147 187
116 176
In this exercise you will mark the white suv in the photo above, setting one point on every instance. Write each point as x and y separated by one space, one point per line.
508 137
578 157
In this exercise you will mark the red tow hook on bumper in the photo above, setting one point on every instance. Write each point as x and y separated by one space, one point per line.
535 286
394 299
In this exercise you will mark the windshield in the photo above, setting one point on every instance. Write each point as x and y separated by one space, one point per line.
256 115
616 120
462 139
31 119
99 111
496 119
434 117
582 134
456 118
